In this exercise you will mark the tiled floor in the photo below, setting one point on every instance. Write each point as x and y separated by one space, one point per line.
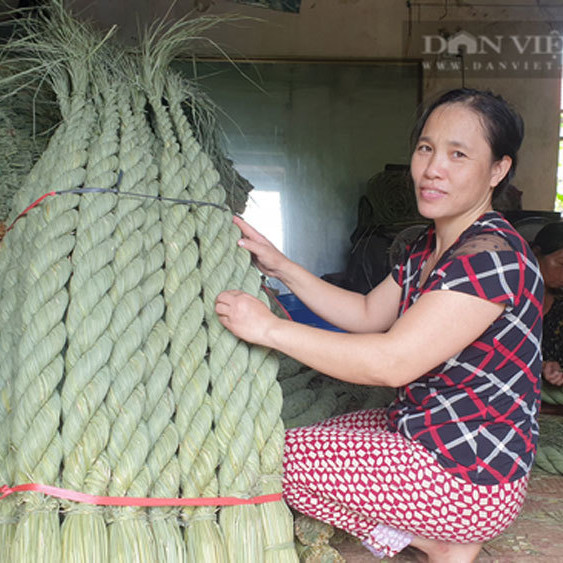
535 537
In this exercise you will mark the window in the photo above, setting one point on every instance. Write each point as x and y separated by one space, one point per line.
308 136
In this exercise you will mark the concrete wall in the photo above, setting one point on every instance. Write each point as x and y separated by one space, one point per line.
375 29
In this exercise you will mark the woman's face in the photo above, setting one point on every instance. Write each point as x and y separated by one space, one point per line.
551 266
452 165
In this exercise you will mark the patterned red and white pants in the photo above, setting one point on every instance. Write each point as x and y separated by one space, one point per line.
352 473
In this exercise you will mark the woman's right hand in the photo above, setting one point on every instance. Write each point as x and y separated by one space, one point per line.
269 260
552 373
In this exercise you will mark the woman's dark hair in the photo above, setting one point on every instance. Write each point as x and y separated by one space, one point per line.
503 125
549 239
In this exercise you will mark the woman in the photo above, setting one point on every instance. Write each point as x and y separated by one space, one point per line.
548 247
455 328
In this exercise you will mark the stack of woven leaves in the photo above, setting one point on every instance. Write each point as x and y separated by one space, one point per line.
116 378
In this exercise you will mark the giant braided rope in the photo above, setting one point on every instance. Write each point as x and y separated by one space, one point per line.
117 378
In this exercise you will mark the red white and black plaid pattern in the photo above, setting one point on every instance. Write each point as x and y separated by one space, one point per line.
477 412
352 473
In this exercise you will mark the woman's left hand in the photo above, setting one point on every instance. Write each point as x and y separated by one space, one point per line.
245 316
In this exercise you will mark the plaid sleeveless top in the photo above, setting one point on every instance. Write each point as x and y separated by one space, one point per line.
477 412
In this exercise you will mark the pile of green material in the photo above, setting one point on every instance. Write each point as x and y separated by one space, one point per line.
310 396
389 200
550 453
313 539
116 377
551 394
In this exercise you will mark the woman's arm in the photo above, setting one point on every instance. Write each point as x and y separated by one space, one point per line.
438 326
345 309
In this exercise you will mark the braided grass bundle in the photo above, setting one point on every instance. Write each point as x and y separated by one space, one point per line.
118 379
7 507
